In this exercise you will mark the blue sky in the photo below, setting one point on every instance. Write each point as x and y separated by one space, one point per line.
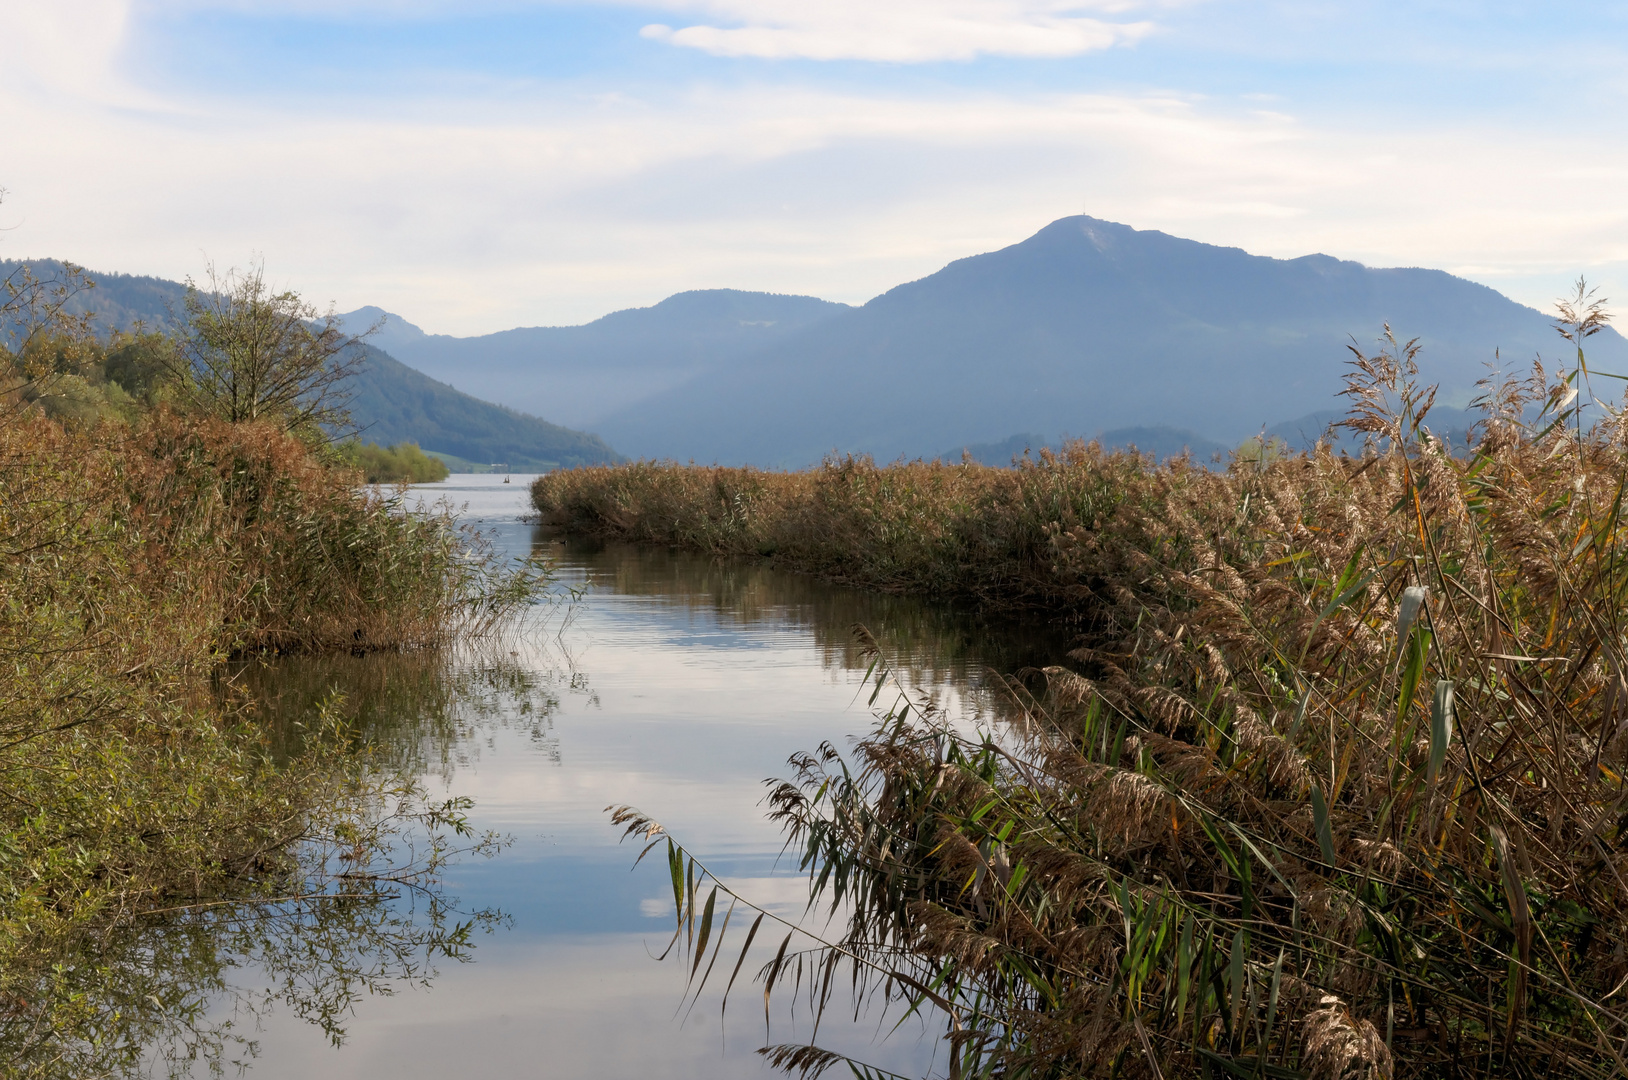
480 165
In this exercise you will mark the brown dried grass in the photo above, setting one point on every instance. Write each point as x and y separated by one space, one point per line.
1266 826
962 531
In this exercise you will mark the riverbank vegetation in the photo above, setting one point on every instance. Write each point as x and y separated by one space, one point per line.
403 463
156 521
1334 785
967 531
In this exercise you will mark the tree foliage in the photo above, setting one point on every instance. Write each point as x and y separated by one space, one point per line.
251 352
151 841
402 463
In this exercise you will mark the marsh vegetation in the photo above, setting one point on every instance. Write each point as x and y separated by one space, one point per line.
168 504
1333 786
402 463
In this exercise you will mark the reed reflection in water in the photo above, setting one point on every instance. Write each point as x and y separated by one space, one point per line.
678 684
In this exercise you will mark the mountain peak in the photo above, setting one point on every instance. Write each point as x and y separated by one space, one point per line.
1087 325
393 330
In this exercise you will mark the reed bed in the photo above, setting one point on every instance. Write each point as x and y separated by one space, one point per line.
1333 788
287 555
134 559
963 531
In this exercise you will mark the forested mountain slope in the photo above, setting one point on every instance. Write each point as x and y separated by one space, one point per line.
390 401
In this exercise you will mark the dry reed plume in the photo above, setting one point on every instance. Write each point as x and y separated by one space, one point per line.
1336 788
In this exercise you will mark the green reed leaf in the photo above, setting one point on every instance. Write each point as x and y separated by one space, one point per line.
770 974
751 934
723 932
1236 976
1184 965
675 865
689 905
1441 726
1412 673
1271 1008
1319 817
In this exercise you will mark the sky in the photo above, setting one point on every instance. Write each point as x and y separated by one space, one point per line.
483 164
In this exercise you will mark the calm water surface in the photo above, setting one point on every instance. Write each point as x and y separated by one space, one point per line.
678 684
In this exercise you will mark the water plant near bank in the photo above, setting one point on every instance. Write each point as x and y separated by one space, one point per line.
964 531
146 821
1335 786
403 463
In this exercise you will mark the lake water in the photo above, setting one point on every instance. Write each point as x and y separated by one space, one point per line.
676 683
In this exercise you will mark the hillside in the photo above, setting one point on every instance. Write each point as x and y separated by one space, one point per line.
1088 328
1085 327
578 374
393 403
390 401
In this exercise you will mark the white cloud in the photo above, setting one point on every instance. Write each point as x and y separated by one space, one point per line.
546 205
70 49
903 31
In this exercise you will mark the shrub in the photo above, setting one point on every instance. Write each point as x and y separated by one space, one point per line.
402 463
135 559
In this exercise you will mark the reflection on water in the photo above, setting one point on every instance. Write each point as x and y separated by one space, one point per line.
174 994
932 645
676 683
426 712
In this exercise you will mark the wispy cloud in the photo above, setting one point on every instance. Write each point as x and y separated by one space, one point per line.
71 50
902 31
473 205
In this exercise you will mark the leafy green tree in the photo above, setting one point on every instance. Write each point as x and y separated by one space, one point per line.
250 352
140 362
45 332
394 464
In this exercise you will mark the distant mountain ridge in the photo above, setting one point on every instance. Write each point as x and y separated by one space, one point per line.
1158 441
390 401
393 403
581 373
1086 326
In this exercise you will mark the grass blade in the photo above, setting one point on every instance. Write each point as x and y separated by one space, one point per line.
1319 816
1441 727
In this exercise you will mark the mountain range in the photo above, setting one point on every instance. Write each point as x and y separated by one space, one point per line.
390 402
578 375
1086 328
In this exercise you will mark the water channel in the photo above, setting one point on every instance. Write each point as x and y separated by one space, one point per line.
676 683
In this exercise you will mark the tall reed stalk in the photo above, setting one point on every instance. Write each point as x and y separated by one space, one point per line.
1335 787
